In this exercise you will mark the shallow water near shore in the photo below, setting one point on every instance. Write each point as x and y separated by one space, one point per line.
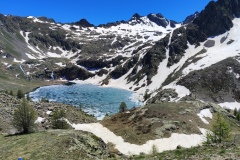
93 99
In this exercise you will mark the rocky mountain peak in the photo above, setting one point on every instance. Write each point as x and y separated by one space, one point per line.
51 20
83 23
190 18
158 15
160 20
136 16
217 17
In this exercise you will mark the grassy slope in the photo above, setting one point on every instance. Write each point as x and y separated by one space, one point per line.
51 145
155 121
8 81
205 152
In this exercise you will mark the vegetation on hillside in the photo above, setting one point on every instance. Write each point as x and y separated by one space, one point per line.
220 132
53 145
58 120
24 117
122 107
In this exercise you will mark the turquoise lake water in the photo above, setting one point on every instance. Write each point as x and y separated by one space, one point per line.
93 99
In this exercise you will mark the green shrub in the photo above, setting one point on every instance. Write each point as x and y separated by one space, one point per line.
43 99
58 120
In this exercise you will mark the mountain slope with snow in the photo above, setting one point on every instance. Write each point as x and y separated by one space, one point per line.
147 54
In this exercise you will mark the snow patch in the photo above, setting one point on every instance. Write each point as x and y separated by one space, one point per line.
39 120
18 61
30 56
48 112
5 63
230 105
205 113
180 90
126 148
61 64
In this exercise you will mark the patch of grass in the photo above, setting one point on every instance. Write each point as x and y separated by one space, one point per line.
10 49
20 37
222 152
6 35
49 145
200 152
4 77
155 121
178 153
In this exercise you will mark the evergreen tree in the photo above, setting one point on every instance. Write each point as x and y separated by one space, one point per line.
235 112
220 130
20 94
6 92
11 92
24 117
122 107
238 116
146 96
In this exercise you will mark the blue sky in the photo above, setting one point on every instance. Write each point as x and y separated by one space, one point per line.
101 11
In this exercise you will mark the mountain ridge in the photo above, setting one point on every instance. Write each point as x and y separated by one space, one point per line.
133 53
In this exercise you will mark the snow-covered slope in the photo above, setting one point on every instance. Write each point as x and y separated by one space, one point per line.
147 54
136 31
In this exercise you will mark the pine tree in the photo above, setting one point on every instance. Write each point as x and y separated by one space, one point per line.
11 92
20 94
6 92
220 129
235 112
24 117
238 116
122 107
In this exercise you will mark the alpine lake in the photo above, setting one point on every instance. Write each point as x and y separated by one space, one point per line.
93 99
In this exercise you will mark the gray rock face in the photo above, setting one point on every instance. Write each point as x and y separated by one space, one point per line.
158 19
163 96
191 18
223 12
217 83
83 23
209 43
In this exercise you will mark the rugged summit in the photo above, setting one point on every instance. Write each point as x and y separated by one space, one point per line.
217 17
83 23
